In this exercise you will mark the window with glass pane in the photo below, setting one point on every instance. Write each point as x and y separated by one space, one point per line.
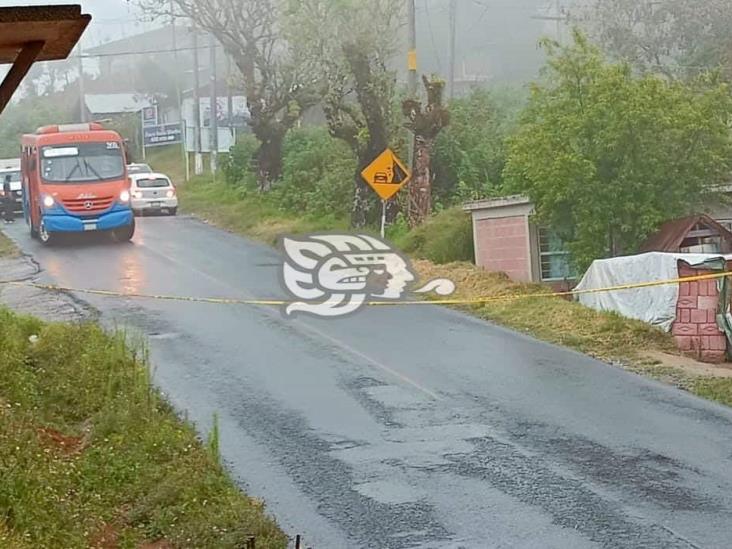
555 259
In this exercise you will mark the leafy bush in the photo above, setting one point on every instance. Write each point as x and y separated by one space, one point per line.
444 238
317 176
237 166
470 153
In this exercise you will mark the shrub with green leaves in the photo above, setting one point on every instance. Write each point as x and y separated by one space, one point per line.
238 165
443 238
317 177
470 153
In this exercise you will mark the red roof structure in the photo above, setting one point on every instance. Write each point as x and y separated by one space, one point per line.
694 234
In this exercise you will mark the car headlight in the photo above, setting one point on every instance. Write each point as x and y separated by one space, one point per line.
48 201
124 196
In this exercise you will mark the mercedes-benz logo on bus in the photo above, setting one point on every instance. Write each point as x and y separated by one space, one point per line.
88 205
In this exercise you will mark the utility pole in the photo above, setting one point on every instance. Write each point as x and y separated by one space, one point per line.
229 96
412 67
412 54
453 32
179 96
214 124
198 160
82 92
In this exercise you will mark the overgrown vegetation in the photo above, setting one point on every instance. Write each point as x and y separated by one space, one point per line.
470 153
91 456
247 212
443 238
607 156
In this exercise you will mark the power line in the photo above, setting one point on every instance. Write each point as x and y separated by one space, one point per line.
148 52
435 50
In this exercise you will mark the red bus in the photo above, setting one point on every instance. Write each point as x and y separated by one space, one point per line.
75 180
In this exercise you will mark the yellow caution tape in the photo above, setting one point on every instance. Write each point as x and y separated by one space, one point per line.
281 302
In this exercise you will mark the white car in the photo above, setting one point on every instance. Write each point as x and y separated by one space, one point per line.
153 192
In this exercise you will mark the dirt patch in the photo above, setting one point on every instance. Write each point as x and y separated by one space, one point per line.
67 445
160 544
105 538
689 365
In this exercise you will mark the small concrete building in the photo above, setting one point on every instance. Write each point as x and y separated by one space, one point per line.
506 240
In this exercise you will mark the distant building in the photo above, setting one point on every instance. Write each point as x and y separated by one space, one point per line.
101 106
170 47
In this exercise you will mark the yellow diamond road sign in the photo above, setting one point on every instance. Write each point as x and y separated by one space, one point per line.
386 175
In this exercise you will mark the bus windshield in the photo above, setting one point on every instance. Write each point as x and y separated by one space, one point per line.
83 162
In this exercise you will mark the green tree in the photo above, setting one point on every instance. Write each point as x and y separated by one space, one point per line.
608 156
470 153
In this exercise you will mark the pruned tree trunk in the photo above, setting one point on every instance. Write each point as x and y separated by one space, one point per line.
426 124
269 159
361 203
420 189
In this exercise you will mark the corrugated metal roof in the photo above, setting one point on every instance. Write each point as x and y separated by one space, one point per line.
116 103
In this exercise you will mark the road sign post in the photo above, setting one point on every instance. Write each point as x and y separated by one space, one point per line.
386 175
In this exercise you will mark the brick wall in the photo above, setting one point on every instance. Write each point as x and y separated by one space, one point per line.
503 246
695 329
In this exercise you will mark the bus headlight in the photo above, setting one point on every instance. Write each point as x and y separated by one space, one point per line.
124 196
48 201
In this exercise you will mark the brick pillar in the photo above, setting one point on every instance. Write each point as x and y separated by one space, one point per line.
695 329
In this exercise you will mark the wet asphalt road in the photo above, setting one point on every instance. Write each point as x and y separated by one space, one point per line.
409 427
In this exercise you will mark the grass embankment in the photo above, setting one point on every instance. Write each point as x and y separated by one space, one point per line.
91 456
229 208
447 236
7 248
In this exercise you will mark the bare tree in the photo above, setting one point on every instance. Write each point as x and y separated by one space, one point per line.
277 92
350 54
677 38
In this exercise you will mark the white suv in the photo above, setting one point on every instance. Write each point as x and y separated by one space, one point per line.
153 192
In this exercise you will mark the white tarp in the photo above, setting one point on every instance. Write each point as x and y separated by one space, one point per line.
655 305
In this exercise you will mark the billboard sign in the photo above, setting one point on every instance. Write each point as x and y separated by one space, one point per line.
163 134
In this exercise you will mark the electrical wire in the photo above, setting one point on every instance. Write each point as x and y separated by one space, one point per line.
435 49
